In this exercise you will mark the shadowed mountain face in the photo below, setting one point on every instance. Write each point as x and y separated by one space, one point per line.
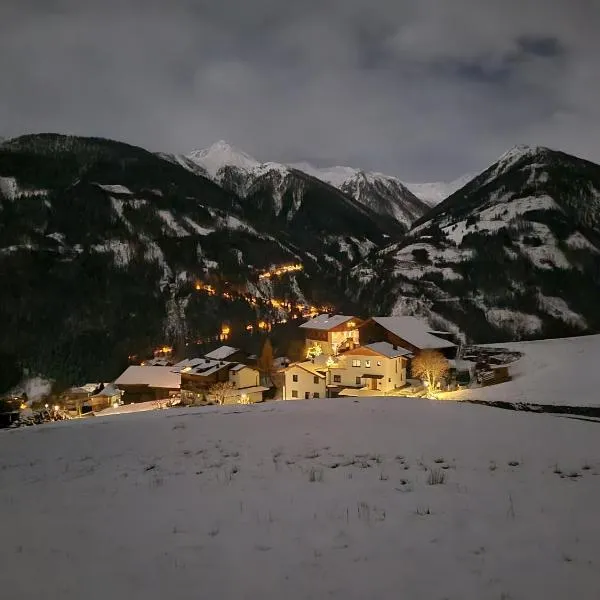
515 253
102 245
107 250
237 171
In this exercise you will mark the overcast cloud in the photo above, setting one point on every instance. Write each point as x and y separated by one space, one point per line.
424 90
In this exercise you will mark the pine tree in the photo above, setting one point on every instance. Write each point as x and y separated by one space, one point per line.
265 362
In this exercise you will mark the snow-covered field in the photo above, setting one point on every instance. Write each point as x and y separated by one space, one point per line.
308 499
561 371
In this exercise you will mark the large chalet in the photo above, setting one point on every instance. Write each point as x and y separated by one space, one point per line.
357 357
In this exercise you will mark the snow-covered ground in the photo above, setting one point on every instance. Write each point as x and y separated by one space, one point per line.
306 499
562 371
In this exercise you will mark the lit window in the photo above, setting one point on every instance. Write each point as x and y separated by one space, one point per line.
294 377
367 363
356 363
294 393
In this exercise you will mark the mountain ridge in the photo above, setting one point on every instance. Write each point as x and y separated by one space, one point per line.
237 171
514 253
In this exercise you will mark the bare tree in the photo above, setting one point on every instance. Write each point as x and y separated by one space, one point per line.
430 366
218 392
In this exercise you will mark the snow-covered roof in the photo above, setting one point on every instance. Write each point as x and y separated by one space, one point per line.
414 331
189 362
157 362
108 391
90 387
157 377
239 367
326 321
462 365
206 366
308 366
222 352
386 349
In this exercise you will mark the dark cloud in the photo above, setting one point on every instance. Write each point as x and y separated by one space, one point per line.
423 90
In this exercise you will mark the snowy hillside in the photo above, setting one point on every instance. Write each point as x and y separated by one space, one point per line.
514 254
560 372
379 498
105 241
241 174
434 193
384 194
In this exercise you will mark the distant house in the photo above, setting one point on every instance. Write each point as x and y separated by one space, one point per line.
198 375
144 384
379 367
74 398
108 396
304 380
157 362
334 333
409 333
227 353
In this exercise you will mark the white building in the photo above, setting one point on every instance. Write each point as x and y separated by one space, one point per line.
379 368
303 381
375 369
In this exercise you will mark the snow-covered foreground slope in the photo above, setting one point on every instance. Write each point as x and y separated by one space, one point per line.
561 372
317 499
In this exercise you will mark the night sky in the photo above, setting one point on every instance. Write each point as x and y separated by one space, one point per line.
424 90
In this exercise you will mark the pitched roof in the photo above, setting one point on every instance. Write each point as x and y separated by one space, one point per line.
157 362
386 349
157 377
309 367
222 352
108 391
205 366
414 331
326 322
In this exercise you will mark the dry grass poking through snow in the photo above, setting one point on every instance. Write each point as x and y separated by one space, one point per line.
306 499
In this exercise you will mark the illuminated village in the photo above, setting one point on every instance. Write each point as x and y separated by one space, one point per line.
338 356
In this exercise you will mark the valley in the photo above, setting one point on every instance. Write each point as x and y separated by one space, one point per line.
137 250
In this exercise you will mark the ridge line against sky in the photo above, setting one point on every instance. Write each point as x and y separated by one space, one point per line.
424 91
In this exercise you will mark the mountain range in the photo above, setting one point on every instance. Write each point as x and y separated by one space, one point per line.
513 254
241 174
108 250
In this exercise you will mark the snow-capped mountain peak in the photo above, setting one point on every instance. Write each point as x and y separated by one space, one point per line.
222 154
517 153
